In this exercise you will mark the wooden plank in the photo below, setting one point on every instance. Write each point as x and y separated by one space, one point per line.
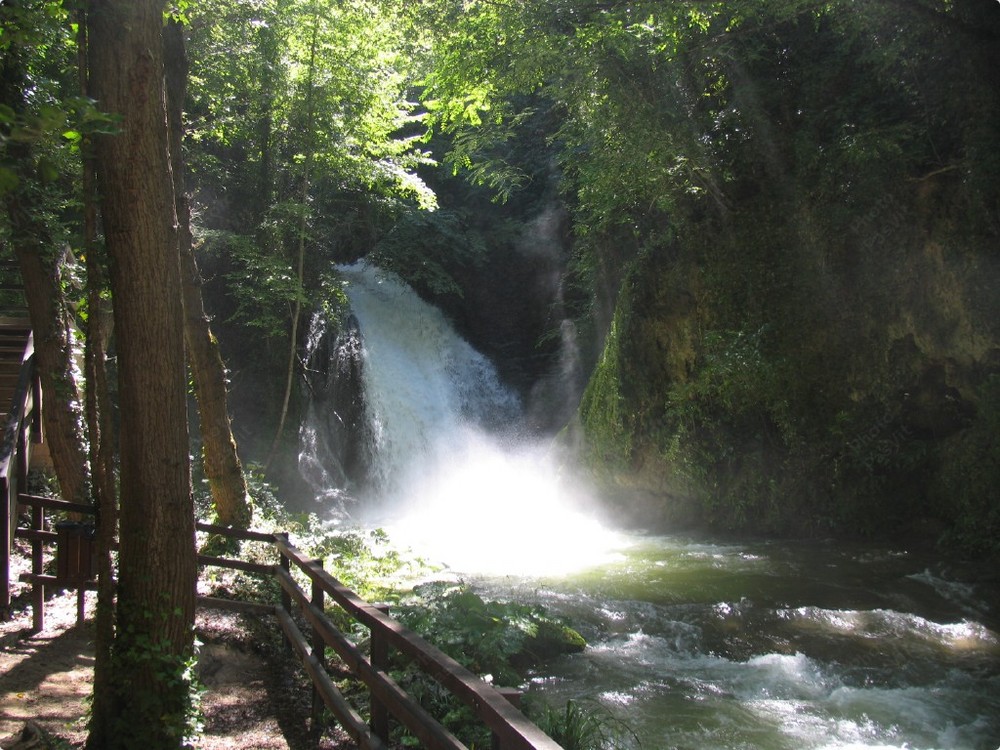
7 526
223 562
255 536
38 579
52 503
236 605
36 535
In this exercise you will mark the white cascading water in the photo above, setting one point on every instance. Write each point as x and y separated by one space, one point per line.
452 479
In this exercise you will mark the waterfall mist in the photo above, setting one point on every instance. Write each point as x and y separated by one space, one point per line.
411 429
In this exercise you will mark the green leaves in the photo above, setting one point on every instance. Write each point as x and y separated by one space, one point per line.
486 636
423 245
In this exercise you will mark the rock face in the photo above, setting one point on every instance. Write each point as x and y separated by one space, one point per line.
514 310
836 378
806 334
336 424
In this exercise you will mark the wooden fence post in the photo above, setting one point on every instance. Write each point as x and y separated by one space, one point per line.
318 646
6 541
37 568
286 598
379 656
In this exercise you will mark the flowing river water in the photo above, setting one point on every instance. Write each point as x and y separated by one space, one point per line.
692 642
707 644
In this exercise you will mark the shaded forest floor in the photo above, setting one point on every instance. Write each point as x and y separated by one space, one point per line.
255 697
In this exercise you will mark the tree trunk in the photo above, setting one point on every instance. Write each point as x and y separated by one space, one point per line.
221 461
99 426
270 54
50 320
150 705
40 261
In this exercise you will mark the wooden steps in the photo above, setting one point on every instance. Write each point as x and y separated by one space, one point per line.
14 333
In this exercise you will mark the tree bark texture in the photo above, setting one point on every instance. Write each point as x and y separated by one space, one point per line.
219 454
98 410
153 645
62 417
40 262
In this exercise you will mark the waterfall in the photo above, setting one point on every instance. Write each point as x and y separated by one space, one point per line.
392 390
433 451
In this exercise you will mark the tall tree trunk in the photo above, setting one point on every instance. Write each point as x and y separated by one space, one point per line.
270 54
151 702
40 261
221 461
99 427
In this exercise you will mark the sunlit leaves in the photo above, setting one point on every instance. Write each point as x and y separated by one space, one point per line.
253 63
302 112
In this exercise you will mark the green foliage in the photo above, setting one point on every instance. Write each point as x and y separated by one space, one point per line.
263 284
169 694
255 120
483 635
423 246
41 114
605 414
267 515
771 161
365 561
494 639
301 137
969 479
576 727
733 375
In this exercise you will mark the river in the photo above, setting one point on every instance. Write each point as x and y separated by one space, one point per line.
693 643
776 645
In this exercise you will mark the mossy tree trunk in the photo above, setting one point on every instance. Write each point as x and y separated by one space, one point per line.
97 404
221 460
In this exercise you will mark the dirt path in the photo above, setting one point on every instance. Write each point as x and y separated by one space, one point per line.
46 677
253 699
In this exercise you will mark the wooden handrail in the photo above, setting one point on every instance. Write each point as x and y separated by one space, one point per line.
352 722
514 730
383 687
55 503
245 534
511 729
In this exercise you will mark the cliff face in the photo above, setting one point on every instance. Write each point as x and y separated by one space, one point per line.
837 378
785 370
806 336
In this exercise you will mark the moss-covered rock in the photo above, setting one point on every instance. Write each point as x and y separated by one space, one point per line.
549 640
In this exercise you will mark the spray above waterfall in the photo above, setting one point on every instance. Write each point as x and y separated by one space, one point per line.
410 428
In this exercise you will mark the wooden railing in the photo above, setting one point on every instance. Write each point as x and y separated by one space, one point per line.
510 729
19 380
